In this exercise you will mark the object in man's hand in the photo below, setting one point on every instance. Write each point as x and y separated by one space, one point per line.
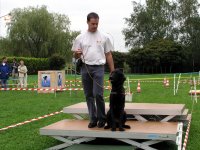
78 65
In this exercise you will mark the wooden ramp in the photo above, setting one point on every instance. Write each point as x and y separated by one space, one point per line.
141 111
76 131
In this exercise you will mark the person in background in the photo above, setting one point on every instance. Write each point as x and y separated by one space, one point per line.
15 72
4 72
22 70
94 48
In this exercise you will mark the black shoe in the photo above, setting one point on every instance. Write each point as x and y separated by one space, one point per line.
101 124
92 125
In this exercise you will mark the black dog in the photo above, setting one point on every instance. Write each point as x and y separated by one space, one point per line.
116 116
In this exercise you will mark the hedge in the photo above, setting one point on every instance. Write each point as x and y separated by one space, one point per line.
33 64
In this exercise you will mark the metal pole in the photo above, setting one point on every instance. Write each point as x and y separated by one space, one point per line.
174 84
195 90
178 82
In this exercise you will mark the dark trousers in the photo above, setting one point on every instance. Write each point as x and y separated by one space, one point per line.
4 83
93 89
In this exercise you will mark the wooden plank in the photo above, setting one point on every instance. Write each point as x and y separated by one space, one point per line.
139 130
134 108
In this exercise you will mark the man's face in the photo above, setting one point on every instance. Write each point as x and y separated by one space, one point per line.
93 24
22 62
5 60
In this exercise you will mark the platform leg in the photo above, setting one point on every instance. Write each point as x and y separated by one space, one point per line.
167 118
77 116
139 145
140 118
68 141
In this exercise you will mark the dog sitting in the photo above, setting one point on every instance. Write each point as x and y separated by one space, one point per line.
116 116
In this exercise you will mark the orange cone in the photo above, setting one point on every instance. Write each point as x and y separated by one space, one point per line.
138 87
167 83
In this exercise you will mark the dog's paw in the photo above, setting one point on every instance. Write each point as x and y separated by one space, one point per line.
126 126
121 129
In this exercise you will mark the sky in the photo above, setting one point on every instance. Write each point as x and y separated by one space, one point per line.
111 13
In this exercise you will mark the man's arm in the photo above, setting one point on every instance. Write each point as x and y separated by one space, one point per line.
109 60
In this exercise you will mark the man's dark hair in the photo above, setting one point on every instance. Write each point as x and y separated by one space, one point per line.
3 58
92 15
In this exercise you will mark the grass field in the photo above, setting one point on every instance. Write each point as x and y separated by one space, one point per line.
18 106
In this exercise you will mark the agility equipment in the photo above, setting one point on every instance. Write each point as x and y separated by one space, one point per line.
179 77
76 131
194 91
164 81
174 84
167 83
140 111
129 94
138 87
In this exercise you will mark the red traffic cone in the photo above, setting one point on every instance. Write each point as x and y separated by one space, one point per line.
167 83
138 87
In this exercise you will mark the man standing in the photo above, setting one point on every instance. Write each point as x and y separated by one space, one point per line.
22 69
94 48
4 72
15 72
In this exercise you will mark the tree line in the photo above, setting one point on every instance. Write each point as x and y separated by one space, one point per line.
163 36
35 32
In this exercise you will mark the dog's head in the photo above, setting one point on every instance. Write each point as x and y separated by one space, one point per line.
117 77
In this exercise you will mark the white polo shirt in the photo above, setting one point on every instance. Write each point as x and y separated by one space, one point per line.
93 46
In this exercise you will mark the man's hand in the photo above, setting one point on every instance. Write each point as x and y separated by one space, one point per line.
110 61
77 54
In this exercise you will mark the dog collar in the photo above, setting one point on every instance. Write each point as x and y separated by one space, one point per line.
116 93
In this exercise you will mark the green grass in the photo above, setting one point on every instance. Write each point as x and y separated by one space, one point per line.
18 106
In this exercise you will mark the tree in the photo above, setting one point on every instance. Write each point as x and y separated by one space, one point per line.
158 56
176 21
36 32
189 20
151 22
5 44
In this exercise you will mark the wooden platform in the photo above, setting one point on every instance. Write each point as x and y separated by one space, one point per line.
74 129
134 108
164 111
